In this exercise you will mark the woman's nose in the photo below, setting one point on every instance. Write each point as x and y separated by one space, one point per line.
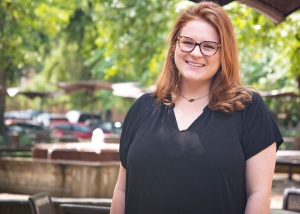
196 52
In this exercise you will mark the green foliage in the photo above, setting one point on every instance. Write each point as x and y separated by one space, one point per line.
23 140
290 132
285 110
15 20
131 39
3 141
269 53
270 58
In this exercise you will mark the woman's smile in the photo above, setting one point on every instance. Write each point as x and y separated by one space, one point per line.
195 64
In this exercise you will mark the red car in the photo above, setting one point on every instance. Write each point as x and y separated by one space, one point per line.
61 130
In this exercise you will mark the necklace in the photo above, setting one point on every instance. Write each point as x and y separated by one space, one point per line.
192 100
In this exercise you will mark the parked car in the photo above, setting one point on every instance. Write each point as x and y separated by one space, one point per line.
46 118
28 114
66 131
108 127
75 116
32 131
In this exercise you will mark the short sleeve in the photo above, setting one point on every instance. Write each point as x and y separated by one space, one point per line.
259 129
130 124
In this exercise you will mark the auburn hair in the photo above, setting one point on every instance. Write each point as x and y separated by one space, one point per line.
226 91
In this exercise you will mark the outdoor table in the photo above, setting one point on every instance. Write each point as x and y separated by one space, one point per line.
292 154
279 211
290 158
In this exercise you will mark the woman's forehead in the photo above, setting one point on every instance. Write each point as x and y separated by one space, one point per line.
199 30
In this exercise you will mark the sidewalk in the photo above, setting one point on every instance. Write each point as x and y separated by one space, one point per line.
280 182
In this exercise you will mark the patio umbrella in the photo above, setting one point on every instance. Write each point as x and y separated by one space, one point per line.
12 92
34 94
31 94
276 10
130 89
88 85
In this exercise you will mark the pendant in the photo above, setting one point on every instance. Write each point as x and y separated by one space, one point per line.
191 100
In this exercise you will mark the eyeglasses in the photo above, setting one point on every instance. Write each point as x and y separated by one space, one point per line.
207 48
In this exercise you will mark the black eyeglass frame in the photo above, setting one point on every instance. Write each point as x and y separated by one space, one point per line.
197 44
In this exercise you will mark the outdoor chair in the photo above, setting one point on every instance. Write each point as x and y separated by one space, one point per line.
82 209
291 199
41 204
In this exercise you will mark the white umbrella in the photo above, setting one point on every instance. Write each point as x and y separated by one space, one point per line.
130 89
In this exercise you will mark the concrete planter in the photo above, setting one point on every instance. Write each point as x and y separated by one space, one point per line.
94 152
59 178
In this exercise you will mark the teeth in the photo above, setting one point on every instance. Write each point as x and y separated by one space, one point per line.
194 64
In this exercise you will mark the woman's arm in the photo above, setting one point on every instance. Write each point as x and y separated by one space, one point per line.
118 200
259 177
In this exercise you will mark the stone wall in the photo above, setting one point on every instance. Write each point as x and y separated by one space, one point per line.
59 178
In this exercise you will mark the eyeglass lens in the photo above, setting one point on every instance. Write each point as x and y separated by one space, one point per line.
188 44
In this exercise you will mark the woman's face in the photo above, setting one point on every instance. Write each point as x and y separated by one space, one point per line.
194 66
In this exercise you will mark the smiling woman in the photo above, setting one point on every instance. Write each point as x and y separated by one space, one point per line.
202 142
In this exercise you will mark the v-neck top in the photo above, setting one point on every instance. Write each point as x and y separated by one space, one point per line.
197 170
175 119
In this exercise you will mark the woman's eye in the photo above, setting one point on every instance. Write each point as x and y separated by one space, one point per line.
209 47
188 43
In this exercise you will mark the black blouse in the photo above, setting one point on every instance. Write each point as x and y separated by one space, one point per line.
197 170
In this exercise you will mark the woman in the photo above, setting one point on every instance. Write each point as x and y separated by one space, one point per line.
202 143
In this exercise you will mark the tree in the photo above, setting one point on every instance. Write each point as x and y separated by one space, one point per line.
269 53
270 57
131 41
118 42
25 32
19 43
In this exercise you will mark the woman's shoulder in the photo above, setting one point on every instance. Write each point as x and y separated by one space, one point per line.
143 102
257 99
145 99
257 103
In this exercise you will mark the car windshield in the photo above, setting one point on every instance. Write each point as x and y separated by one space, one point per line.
24 127
63 126
85 117
81 129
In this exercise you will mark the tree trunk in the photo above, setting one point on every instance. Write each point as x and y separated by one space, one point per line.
2 101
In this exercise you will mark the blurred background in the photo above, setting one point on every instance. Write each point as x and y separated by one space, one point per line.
70 70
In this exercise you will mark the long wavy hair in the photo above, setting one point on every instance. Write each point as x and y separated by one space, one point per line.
226 91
